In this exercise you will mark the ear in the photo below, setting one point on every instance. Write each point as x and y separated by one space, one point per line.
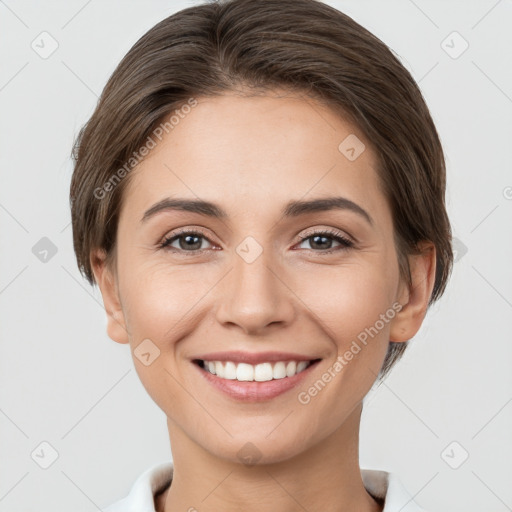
116 324
414 299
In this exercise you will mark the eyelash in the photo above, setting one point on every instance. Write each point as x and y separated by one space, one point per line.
346 243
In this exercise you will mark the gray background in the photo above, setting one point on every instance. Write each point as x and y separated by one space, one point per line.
64 382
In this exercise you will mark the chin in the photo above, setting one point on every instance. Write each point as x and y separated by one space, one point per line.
259 450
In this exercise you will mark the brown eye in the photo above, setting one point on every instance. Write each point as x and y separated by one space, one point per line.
323 240
188 241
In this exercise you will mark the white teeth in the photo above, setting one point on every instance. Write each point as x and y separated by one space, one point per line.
244 371
301 366
230 370
263 372
279 371
291 369
260 372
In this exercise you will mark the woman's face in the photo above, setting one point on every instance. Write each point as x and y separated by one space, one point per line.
257 281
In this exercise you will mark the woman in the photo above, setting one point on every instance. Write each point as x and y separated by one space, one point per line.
259 196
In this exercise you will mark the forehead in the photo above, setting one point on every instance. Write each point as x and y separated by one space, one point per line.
250 152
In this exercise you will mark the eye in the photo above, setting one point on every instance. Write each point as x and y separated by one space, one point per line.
188 241
191 241
323 240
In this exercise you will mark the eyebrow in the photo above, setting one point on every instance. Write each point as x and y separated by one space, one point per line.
291 209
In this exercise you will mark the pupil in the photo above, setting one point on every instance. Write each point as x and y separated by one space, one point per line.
320 237
192 245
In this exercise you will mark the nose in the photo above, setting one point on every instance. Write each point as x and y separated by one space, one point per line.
254 296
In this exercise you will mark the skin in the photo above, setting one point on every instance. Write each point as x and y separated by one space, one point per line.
251 155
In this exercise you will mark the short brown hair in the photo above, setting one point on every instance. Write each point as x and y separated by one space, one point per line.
299 45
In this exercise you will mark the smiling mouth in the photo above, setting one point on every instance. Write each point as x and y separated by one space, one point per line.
263 372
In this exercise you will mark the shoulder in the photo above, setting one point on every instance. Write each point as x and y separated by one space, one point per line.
387 486
142 493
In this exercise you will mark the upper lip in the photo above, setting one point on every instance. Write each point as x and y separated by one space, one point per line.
238 356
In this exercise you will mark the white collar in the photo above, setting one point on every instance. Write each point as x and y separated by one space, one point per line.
380 484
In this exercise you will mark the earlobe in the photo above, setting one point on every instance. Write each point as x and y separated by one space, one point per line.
116 325
414 299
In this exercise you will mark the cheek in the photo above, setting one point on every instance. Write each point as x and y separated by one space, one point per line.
158 306
158 298
348 299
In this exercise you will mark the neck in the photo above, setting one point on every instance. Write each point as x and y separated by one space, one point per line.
326 477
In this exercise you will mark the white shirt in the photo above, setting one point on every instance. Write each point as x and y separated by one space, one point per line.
380 484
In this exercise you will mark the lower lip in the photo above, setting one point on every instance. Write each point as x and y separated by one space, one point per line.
252 391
